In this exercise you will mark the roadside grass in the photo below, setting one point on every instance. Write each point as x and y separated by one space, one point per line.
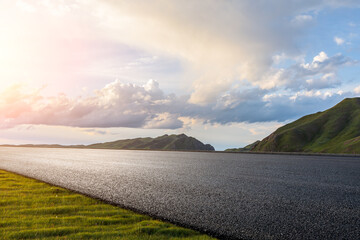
31 209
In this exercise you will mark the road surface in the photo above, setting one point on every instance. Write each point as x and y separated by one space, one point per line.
231 196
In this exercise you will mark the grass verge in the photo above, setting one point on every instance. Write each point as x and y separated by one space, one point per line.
31 209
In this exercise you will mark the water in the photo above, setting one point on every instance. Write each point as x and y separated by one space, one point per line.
251 196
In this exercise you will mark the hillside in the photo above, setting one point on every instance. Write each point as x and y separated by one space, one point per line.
247 148
336 130
165 142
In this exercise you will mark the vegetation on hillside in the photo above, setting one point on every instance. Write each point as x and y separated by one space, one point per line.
30 209
336 130
165 142
247 148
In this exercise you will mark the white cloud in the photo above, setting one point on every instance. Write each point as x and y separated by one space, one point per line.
325 81
318 74
218 42
321 57
92 131
357 90
164 121
339 41
115 105
215 43
148 107
302 19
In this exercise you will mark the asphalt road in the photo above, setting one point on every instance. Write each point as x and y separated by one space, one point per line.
232 196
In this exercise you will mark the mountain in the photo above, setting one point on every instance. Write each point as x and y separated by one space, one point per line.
165 142
336 130
247 148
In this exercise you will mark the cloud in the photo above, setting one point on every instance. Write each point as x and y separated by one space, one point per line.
218 42
215 50
92 131
318 74
302 19
279 107
147 106
357 90
115 105
214 43
164 121
339 41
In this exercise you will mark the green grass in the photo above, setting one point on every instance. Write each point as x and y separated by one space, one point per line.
31 209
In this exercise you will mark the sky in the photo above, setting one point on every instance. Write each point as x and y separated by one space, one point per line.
225 72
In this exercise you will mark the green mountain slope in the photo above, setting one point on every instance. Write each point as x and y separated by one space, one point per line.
165 142
336 130
247 148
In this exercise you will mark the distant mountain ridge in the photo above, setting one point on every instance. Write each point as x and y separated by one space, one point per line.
165 142
336 130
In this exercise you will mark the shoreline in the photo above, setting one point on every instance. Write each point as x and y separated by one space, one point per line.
202 151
